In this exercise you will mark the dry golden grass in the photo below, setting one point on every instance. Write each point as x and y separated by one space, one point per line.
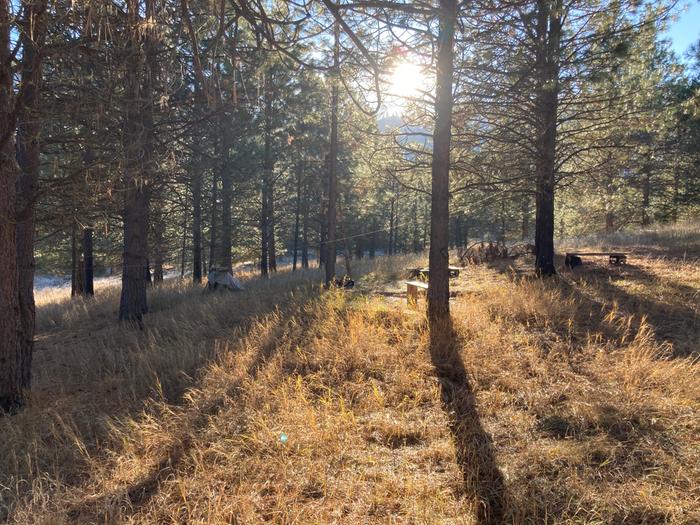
563 401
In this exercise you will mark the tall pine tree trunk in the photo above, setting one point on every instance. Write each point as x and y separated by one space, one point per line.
213 228
439 289
266 182
11 395
133 303
331 214
28 149
226 194
549 35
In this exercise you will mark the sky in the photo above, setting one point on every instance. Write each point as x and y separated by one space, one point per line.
686 29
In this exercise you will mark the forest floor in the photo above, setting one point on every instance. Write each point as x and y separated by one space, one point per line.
570 400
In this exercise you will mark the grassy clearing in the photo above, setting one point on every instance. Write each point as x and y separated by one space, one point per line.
680 240
562 401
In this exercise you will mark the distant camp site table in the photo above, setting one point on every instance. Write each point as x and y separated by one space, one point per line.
413 289
574 258
424 273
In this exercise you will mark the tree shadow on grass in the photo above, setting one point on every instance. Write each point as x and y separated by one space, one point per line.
673 321
129 499
482 478
662 302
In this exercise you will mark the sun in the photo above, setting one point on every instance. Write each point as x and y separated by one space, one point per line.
405 82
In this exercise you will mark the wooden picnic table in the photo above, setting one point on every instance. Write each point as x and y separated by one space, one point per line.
424 272
615 258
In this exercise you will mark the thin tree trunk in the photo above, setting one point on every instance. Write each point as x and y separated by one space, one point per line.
305 229
331 215
196 225
213 222
184 241
77 273
439 289
226 196
322 236
11 392
89 266
271 225
266 181
297 214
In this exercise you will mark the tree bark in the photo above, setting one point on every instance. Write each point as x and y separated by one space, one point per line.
213 222
11 392
549 35
266 182
226 194
77 268
89 263
184 241
271 225
305 229
297 214
133 303
32 39
331 215
439 289
196 225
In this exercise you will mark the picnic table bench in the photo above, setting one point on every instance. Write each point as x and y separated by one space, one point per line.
574 258
424 273
413 290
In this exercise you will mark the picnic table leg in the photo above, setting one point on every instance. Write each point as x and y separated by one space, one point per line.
412 295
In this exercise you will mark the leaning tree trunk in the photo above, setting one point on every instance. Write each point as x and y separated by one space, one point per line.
331 213
28 133
549 35
133 303
439 289
11 396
